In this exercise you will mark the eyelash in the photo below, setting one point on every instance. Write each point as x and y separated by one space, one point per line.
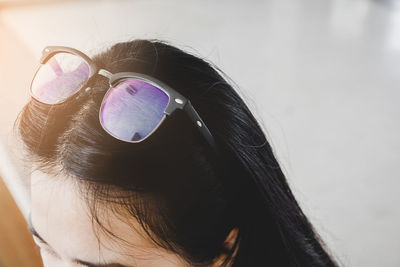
41 249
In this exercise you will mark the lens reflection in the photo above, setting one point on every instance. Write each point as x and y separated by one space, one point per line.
60 77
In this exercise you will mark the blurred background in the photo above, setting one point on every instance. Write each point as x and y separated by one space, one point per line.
322 76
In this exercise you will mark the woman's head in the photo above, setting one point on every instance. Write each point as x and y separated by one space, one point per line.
169 200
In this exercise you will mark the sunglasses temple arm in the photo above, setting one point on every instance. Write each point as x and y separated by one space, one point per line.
194 116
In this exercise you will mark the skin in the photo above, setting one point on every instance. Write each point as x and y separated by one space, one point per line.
62 227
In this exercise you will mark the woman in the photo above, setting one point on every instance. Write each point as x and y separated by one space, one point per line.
146 156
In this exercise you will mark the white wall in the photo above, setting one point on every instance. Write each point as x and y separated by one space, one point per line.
323 76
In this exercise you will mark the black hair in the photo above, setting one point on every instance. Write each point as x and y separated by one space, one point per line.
187 198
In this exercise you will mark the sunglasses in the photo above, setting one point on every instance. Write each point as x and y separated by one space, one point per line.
133 107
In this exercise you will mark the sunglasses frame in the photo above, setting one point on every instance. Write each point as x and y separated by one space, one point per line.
176 100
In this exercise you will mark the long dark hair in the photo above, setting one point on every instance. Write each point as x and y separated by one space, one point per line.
187 198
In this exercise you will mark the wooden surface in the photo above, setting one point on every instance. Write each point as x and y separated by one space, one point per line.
17 248
17 66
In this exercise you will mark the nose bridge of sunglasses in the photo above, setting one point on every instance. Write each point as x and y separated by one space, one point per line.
105 73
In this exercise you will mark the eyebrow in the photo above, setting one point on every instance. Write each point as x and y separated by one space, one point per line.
89 264
34 232
78 261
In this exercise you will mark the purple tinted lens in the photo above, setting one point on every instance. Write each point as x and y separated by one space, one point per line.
133 109
60 77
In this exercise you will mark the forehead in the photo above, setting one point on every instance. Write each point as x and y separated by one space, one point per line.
62 217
